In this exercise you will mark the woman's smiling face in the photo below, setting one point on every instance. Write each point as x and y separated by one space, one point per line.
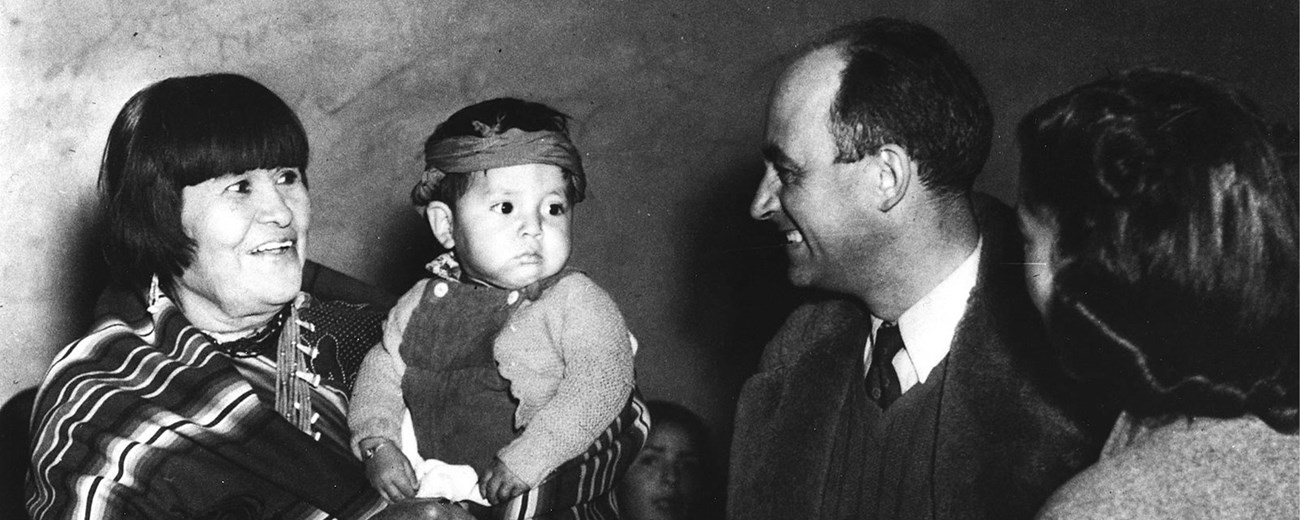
250 236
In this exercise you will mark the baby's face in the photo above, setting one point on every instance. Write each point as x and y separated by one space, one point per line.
512 226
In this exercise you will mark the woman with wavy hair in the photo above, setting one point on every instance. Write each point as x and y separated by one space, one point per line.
1161 241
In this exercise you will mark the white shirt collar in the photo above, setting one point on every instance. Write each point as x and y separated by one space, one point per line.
930 324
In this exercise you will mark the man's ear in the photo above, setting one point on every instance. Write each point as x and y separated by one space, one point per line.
442 222
897 171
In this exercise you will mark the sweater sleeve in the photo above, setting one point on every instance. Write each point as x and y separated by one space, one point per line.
377 403
596 348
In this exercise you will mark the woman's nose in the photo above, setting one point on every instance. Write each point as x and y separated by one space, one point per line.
766 203
273 207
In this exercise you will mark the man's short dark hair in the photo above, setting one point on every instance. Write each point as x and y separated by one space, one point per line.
905 85
499 114
176 133
1176 253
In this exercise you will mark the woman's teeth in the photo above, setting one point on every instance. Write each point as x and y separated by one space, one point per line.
793 237
273 247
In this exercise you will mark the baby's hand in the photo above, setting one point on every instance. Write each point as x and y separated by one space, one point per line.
390 473
500 484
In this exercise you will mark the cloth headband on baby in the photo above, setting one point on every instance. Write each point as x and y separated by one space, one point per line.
490 149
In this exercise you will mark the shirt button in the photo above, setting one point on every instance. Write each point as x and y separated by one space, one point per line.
514 297
441 289
875 393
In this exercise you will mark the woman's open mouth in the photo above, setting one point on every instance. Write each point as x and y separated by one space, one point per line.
275 248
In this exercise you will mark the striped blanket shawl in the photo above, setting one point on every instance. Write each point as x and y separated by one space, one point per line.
145 417
583 487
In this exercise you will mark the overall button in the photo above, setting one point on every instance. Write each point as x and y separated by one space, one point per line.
514 297
441 289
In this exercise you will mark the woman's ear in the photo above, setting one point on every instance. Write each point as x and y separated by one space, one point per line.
442 222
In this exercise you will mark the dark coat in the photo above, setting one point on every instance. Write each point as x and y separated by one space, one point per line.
1011 427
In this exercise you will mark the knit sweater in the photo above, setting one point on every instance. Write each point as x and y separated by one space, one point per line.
1009 426
567 356
1190 468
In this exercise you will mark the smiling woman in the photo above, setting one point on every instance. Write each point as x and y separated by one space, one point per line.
209 386
249 230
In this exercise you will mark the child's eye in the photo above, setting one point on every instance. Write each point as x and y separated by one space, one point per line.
505 208
242 186
557 209
289 176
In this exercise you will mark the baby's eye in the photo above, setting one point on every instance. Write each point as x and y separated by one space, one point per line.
241 186
289 176
505 208
557 209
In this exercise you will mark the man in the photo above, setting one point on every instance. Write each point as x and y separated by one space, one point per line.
921 386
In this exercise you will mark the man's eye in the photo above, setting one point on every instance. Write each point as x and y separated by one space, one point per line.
557 209
240 187
786 175
289 177
505 208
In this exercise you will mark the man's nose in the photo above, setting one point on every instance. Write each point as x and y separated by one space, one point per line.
766 203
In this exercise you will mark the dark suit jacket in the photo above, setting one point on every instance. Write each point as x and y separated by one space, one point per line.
1011 427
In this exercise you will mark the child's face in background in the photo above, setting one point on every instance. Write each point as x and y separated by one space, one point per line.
512 227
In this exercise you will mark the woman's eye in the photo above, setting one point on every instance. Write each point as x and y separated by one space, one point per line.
557 209
240 187
289 177
505 208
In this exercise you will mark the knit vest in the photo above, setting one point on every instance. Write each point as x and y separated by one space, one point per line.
460 405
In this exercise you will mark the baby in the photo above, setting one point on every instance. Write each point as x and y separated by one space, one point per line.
507 362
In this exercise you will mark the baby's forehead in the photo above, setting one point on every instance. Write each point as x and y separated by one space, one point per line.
524 178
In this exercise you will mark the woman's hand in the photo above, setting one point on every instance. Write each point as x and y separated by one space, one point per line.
500 484
390 473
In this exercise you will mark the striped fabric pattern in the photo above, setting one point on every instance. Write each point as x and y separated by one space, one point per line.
583 487
146 417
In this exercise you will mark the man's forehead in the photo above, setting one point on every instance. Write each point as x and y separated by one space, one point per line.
801 104
813 77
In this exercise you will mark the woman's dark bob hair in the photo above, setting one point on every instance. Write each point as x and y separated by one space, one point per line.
1175 271
181 132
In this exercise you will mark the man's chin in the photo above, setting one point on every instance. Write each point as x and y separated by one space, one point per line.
799 276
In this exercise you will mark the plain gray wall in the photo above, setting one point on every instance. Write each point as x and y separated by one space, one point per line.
668 100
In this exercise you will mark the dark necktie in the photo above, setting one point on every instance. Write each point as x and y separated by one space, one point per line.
882 380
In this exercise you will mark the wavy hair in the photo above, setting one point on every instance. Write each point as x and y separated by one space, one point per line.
1175 262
